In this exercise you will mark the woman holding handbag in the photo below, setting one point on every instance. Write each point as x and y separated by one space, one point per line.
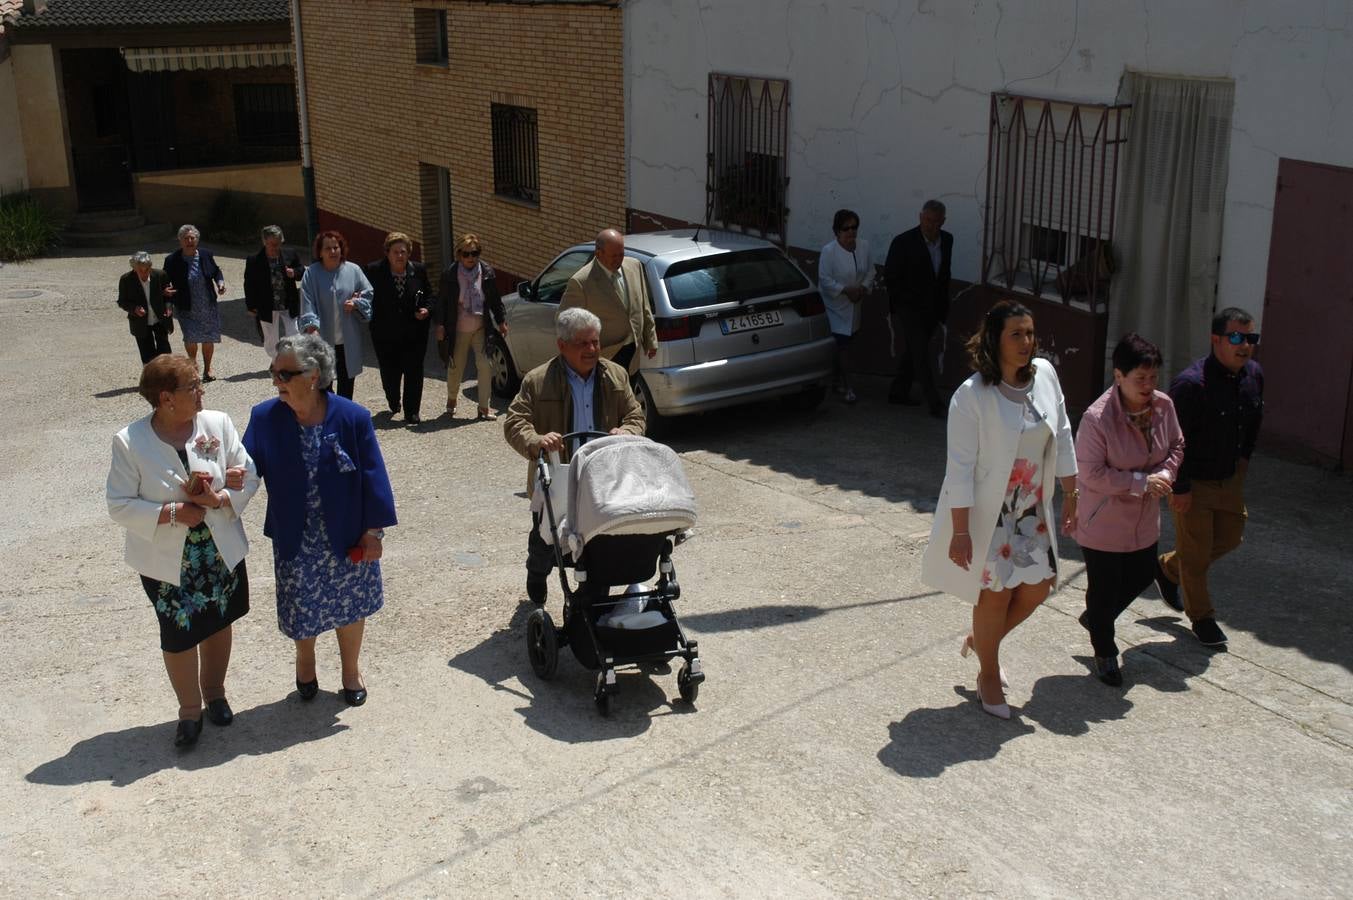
845 276
401 307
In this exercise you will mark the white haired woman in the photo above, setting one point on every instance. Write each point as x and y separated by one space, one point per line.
197 282
329 503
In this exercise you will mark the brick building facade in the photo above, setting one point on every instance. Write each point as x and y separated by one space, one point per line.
406 99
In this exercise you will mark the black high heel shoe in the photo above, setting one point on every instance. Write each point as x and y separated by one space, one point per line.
354 696
307 689
188 732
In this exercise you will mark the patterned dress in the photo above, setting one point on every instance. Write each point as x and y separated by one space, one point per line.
316 590
201 321
1021 548
207 598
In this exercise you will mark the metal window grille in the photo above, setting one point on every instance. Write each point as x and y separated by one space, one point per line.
516 163
1052 177
265 115
746 183
429 36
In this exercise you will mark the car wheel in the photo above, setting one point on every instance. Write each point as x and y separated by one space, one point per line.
505 380
807 401
657 425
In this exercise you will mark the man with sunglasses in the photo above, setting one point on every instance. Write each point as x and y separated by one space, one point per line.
1220 403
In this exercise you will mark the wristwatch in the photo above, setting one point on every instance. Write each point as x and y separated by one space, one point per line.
377 533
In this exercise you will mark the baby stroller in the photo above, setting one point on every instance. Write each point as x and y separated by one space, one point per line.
629 505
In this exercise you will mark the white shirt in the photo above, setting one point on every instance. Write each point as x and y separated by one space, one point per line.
838 269
151 317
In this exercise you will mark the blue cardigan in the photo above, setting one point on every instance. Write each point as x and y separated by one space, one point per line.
354 500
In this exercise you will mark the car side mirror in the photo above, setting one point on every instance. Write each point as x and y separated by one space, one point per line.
524 290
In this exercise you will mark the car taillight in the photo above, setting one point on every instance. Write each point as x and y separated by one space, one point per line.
673 329
810 305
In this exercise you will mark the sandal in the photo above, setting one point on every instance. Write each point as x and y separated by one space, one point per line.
486 414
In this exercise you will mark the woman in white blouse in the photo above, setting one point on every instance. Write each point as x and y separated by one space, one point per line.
179 480
844 277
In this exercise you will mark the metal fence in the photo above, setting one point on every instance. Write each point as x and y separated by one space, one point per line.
516 163
1052 178
746 182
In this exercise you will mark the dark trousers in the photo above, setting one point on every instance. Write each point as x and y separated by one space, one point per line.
1115 580
624 355
403 361
915 361
539 555
152 341
343 384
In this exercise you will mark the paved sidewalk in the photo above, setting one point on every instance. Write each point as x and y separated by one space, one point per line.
837 748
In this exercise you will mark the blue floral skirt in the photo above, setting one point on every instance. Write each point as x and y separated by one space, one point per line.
207 598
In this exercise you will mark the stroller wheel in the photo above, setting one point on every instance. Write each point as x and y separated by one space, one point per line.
688 687
542 644
601 696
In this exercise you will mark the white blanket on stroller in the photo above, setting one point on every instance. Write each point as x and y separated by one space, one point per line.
625 484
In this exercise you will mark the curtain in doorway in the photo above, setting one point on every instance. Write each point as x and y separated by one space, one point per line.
1172 196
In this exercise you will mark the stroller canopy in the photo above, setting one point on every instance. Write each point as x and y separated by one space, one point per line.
626 484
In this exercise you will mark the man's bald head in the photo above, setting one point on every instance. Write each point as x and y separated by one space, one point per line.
610 248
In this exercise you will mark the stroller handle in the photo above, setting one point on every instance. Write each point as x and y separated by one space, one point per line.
584 435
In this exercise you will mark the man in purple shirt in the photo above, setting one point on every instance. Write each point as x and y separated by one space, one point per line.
1220 403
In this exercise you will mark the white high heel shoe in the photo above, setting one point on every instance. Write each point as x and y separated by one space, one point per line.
966 648
999 710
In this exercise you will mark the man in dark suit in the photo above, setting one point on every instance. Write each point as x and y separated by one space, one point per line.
917 275
145 294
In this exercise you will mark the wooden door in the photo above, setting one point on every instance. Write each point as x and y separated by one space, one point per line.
1308 314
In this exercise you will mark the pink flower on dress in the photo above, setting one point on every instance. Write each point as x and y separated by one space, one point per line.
1022 475
206 445
1005 552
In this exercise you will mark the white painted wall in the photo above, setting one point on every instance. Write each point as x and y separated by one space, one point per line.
890 99
13 162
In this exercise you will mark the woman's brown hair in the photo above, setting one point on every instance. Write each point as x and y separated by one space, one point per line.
398 237
336 235
984 347
468 241
165 373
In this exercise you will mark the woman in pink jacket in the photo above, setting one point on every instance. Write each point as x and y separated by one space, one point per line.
1128 451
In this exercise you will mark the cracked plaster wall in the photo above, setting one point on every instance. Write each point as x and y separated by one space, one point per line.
889 100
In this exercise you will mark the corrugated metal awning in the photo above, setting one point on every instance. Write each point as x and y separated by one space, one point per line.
188 59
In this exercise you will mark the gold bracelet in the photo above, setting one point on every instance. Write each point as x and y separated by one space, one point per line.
1074 493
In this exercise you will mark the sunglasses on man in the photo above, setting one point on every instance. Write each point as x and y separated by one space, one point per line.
1236 338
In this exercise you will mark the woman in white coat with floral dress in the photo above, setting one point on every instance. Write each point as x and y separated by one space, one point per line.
1009 443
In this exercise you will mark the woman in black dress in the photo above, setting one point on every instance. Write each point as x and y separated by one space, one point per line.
179 479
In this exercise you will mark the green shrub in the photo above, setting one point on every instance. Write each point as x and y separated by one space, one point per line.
27 228
233 218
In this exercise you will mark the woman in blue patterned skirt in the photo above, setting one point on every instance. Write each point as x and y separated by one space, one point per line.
329 502
197 282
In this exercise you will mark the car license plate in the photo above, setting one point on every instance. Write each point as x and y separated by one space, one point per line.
752 321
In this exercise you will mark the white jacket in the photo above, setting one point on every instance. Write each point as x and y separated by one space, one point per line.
983 439
147 473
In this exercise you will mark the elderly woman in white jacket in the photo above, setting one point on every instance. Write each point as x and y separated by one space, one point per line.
844 278
179 480
1009 442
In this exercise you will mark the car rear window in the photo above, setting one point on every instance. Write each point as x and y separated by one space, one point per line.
731 278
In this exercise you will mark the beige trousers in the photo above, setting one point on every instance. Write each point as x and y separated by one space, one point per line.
460 355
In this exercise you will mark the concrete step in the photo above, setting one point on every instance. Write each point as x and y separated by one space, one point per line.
109 220
130 239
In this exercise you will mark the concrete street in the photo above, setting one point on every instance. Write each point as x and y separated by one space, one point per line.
836 749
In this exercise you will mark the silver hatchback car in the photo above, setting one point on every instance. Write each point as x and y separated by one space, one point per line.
737 322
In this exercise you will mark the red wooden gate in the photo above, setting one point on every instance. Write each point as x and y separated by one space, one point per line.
1308 314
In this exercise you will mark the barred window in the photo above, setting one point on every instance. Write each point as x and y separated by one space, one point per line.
516 164
1052 175
745 184
265 115
429 36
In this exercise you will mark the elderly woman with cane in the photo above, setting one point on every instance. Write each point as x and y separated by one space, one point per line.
329 503
1009 445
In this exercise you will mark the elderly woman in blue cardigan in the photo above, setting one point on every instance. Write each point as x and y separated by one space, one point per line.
335 302
329 502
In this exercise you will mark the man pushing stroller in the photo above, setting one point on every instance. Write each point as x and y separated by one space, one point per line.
575 391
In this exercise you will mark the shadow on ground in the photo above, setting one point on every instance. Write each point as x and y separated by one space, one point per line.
928 741
125 757
562 708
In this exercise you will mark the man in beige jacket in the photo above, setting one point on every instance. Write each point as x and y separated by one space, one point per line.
613 288
575 391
